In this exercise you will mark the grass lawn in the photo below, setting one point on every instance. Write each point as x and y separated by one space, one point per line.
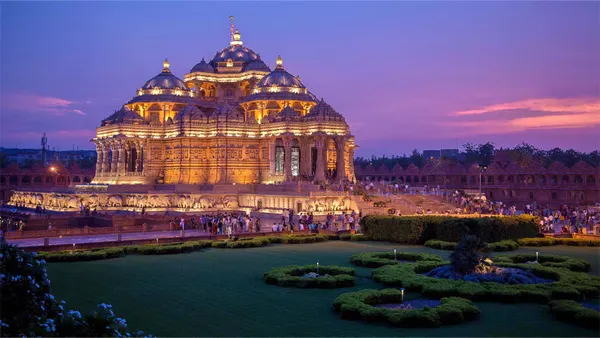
220 292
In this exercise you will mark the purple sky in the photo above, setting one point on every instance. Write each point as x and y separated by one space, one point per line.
404 74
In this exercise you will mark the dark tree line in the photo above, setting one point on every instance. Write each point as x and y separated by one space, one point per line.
483 154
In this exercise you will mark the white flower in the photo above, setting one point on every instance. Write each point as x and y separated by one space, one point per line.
75 314
121 322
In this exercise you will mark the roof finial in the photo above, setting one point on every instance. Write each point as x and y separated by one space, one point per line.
231 20
279 62
166 65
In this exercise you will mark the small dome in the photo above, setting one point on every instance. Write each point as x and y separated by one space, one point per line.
289 112
190 112
232 113
165 80
257 64
279 77
323 111
203 67
123 115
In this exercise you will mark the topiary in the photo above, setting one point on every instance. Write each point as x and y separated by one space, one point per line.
466 258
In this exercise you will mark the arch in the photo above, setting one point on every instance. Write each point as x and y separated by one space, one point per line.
541 179
490 180
37 180
510 179
26 179
3 179
578 179
472 180
554 179
61 180
564 179
416 179
501 179
590 180
425 180
76 179
86 179
529 179
49 179
463 179
13 180
408 179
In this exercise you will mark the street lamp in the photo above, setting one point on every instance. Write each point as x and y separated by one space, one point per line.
482 168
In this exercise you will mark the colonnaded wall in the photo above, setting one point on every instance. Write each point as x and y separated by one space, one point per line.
184 202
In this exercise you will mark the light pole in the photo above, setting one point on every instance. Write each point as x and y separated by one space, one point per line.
482 168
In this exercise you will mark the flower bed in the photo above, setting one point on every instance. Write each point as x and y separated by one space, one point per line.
377 259
495 275
572 312
506 245
544 241
360 306
568 284
297 276
555 261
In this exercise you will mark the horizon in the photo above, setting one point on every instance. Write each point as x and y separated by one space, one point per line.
408 76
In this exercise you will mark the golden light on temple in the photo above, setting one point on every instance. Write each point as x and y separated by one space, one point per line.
166 64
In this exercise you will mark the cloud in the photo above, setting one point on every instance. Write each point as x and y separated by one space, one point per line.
552 105
38 103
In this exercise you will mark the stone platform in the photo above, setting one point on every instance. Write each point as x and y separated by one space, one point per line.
271 199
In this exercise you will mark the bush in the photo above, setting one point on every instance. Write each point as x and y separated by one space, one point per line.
359 237
345 237
543 241
82 255
568 285
30 309
572 312
419 229
377 259
506 245
440 245
555 261
359 306
339 277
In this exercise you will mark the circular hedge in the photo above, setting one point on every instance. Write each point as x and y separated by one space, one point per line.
377 259
568 284
338 276
572 312
359 306
554 261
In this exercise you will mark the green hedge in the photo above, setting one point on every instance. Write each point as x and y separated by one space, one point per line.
568 285
77 256
419 229
355 237
359 306
572 312
555 261
339 277
543 241
377 259
506 245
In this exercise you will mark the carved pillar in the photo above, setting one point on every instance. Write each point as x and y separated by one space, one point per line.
304 156
340 165
272 156
287 159
145 146
121 165
320 168
137 157
99 157
350 156
115 157
105 162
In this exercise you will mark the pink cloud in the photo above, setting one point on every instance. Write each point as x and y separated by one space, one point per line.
39 103
567 105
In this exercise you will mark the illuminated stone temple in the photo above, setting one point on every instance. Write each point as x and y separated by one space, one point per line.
230 120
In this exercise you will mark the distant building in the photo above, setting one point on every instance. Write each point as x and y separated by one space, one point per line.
440 152
22 156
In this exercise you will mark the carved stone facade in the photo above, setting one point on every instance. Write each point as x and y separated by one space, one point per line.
232 120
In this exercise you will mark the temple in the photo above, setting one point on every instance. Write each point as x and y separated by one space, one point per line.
230 120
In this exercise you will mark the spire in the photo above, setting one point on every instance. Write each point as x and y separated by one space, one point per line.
236 40
166 66
279 62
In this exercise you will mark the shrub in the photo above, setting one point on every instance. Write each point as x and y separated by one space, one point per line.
568 285
440 245
359 306
555 261
572 312
542 241
359 237
506 245
419 229
82 255
339 277
30 309
345 237
377 259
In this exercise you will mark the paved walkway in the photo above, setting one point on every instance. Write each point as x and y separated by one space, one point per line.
106 238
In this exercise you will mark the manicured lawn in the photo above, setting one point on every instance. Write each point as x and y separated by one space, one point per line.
220 292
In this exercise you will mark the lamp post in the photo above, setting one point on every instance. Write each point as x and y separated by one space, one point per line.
482 168
317 268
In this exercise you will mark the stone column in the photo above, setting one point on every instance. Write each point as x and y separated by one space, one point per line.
287 162
304 156
99 157
121 165
137 157
105 162
320 168
340 165
272 155
115 157
351 163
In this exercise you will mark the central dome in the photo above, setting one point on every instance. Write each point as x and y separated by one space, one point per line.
235 52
